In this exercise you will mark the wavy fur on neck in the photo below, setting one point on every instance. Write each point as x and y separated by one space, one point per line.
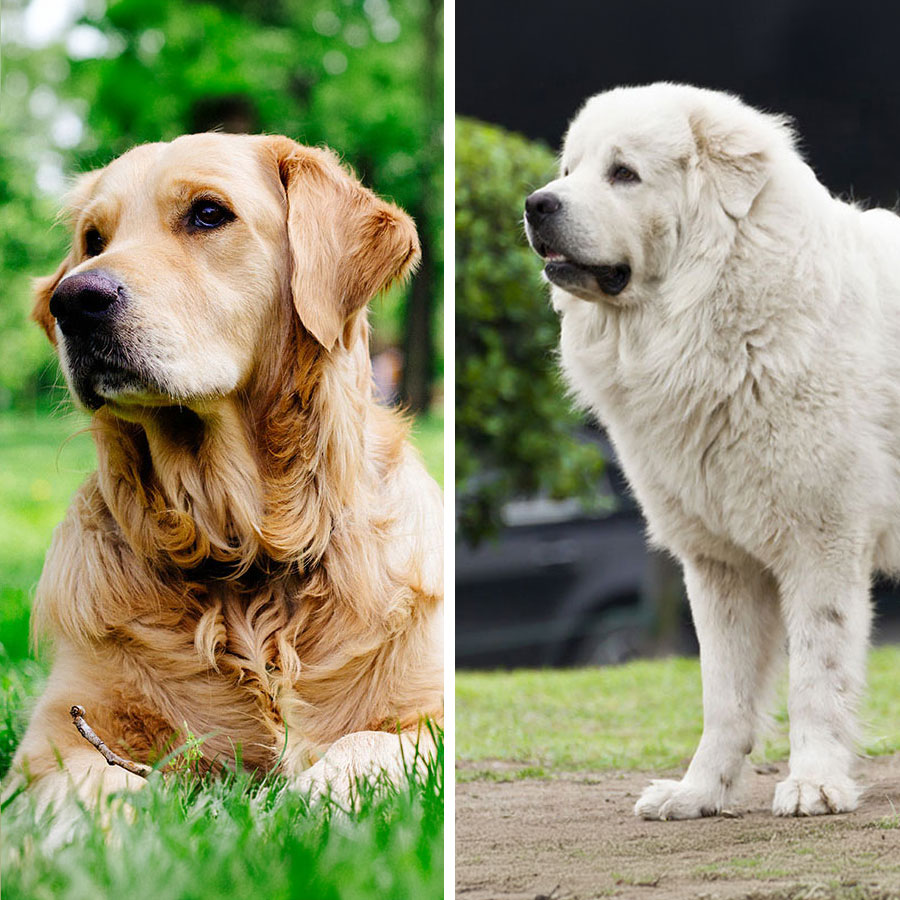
241 487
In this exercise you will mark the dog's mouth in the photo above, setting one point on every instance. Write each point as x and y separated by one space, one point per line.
565 272
571 274
99 376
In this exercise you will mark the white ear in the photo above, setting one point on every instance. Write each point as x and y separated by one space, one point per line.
736 159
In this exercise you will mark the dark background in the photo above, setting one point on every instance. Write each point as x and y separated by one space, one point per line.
584 589
833 67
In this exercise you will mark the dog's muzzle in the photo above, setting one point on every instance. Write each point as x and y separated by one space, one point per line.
542 213
89 309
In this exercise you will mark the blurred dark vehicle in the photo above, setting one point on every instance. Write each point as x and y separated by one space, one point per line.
560 586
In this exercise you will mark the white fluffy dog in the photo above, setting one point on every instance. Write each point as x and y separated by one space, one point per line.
737 331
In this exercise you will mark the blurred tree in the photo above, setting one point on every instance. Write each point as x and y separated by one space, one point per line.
360 75
29 246
515 431
420 309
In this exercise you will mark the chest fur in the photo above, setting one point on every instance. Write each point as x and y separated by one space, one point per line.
685 419
243 673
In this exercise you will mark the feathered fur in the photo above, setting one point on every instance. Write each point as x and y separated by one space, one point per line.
260 563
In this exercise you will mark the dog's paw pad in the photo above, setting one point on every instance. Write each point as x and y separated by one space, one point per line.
666 799
812 797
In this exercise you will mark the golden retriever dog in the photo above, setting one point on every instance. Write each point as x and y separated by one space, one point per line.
258 557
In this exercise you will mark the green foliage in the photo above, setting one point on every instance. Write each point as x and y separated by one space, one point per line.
515 433
347 73
313 70
29 246
644 715
189 838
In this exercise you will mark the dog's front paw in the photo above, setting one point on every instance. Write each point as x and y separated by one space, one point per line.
377 758
814 797
666 799
323 779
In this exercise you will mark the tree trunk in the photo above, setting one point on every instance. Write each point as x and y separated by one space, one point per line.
417 349
418 320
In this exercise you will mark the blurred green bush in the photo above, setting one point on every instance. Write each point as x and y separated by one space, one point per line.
29 246
515 430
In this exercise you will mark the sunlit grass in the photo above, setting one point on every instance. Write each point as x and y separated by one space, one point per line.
643 715
428 436
236 836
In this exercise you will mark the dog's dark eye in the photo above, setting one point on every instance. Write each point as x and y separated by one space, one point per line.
566 172
93 242
209 214
623 174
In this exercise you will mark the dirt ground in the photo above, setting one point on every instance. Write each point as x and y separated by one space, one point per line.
575 837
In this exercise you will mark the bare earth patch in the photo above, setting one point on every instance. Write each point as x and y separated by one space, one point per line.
575 837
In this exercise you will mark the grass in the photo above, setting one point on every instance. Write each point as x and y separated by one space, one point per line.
42 462
428 436
643 715
189 839
742 867
195 839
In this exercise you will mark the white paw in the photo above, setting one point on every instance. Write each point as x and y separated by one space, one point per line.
377 758
665 799
324 778
814 797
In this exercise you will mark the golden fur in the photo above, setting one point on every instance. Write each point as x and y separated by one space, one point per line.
258 555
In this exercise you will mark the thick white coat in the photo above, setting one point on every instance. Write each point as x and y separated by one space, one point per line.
749 377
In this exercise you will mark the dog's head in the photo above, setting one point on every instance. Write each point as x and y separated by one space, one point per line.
643 171
188 258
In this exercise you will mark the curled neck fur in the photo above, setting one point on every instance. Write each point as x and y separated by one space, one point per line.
242 488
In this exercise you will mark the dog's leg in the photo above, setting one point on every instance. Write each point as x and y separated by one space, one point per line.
78 782
739 628
63 774
828 614
374 756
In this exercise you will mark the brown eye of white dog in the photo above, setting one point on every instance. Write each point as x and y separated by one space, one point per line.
258 557
735 329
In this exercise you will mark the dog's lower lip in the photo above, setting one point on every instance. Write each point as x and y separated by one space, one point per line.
100 377
612 280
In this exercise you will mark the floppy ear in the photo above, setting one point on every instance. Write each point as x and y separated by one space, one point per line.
43 288
735 157
346 244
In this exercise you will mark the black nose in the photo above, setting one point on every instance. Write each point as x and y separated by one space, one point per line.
541 204
84 301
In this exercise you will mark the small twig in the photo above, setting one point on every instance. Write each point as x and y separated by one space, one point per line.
553 895
88 733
